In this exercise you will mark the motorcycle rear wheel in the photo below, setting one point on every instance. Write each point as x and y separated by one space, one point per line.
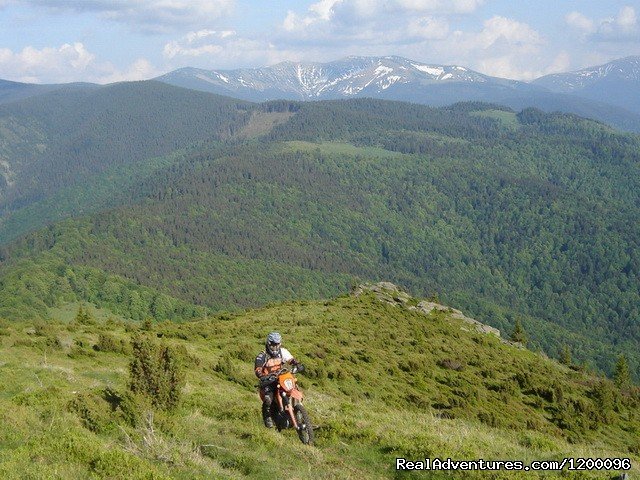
305 429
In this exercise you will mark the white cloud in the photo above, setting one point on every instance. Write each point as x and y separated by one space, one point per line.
323 9
579 21
62 63
145 15
621 27
499 28
66 63
352 13
225 49
516 67
195 44
428 28
141 69
560 64
418 28
626 17
441 7
503 48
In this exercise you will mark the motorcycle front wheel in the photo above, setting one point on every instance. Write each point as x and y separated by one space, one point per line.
305 429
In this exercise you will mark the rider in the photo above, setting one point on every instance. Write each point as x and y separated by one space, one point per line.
267 363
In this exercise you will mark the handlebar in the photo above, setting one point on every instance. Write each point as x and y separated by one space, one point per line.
274 376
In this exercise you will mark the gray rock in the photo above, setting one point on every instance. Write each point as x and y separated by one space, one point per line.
391 294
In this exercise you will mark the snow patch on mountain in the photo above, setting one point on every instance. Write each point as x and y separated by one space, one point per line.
625 69
382 70
434 71
343 78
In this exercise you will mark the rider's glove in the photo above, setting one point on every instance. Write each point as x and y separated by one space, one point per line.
300 368
267 379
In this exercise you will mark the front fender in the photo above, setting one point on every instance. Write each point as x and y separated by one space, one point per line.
297 394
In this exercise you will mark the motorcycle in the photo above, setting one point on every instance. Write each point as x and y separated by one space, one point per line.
287 409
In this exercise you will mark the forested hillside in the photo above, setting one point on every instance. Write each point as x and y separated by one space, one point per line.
82 137
510 216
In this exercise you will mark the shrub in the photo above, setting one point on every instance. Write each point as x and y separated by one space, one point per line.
155 372
125 406
92 410
489 418
109 343
518 334
80 349
605 397
43 329
450 364
224 367
84 317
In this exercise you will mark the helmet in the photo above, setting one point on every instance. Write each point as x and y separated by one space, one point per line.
272 345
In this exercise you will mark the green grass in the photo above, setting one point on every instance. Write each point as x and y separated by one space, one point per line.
340 148
507 119
374 387
67 312
261 123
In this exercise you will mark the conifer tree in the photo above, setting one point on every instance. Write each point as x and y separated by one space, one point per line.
84 317
621 377
518 334
565 355
155 372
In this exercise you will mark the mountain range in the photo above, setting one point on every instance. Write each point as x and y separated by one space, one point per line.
617 83
396 78
609 93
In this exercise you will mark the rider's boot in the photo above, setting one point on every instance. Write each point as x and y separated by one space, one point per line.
266 416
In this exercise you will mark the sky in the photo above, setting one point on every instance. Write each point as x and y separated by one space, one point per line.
104 41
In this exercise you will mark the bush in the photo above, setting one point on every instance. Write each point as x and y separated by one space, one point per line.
84 317
155 372
109 343
125 406
80 349
450 364
92 410
43 329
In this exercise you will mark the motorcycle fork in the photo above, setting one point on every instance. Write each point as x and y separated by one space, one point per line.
288 407
292 415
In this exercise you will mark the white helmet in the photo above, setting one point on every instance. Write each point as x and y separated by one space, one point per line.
272 345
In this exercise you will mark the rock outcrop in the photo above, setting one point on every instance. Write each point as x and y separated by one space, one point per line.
389 293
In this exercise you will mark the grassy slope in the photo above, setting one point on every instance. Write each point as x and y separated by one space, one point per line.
374 388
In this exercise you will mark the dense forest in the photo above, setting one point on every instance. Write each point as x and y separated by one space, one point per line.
68 137
510 216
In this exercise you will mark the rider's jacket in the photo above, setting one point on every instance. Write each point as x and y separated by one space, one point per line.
267 364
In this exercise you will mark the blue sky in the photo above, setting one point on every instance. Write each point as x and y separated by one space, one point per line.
47 41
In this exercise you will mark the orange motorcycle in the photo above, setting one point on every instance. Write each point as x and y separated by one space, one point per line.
287 409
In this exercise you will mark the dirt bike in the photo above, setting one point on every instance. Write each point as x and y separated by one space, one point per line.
287 409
